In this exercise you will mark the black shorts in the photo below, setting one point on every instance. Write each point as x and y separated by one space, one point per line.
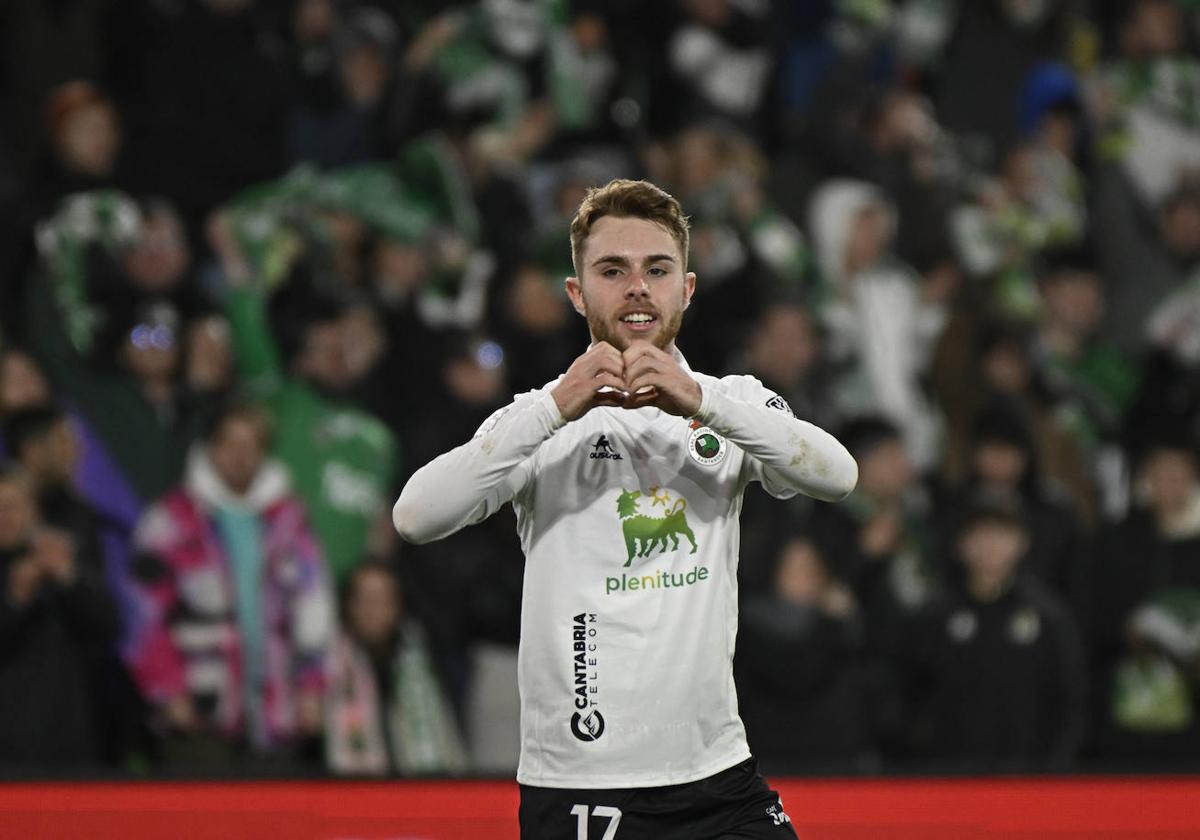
735 804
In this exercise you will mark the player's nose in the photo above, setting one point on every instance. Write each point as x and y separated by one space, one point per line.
636 287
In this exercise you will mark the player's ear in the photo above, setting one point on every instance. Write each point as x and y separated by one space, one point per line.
575 293
689 288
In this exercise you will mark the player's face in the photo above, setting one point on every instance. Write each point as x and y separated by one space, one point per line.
631 283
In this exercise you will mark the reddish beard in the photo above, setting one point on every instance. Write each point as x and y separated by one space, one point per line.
609 330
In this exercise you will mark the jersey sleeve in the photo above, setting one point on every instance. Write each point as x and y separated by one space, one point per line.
783 453
471 482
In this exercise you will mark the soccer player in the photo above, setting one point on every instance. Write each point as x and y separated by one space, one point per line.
626 474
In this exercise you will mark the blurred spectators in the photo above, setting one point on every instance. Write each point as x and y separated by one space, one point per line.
236 605
996 374
85 139
881 327
57 625
802 687
342 460
1147 99
202 129
345 72
966 234
744 248
1145 605
1003 673
465 587
42 442
106 320
986 50
784 351
879 539
1003 467
78 468
386 712
720 63
1089 383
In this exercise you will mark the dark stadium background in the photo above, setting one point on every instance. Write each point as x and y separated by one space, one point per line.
963 236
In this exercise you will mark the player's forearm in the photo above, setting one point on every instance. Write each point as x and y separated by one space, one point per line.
466 484
799 454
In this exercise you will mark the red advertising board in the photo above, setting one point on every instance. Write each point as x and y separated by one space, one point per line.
820 809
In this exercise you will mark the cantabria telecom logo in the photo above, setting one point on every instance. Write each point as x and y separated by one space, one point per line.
587 724
645 534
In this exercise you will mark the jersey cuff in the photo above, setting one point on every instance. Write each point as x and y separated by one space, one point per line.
710 405
551 416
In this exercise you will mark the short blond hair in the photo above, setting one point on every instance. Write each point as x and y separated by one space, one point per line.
636 199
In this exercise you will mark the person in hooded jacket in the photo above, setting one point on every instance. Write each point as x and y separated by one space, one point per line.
238 603
881 327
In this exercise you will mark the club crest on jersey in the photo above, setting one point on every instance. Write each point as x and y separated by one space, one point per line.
705 446
645 533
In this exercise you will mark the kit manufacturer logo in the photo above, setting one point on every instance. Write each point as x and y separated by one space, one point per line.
603 450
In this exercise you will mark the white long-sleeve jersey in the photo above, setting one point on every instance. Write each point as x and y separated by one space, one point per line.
629 523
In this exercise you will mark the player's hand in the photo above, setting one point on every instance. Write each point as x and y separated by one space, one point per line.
601 367
653 377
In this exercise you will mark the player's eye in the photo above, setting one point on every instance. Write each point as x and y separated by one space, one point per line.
658 271
611 272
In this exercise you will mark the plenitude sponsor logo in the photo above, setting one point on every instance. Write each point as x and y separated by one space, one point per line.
658 580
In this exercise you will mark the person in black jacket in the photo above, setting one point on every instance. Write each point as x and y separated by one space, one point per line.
1003 463
801 683
1145 596
880 539
57 626
1000 669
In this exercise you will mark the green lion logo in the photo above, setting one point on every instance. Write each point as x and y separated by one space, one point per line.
643 533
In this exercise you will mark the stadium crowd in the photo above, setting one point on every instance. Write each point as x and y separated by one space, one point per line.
261 259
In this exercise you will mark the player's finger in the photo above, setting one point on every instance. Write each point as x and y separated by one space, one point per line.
604 350
611 380
647 395
641 367
641 348
608 398
649 379
607 365
637 350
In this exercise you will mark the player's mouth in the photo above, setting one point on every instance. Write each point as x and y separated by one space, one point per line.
639 321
